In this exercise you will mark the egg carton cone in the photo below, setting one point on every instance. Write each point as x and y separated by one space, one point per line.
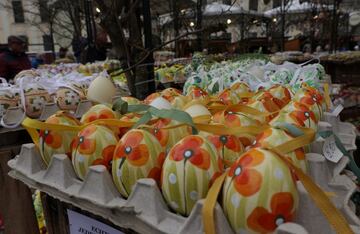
48 110
345 131
82 108
13 115
145 210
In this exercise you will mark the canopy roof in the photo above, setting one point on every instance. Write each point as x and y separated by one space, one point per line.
296 7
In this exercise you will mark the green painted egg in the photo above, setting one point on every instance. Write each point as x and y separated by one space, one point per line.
138 155
94 145
57 142
189 170
259 193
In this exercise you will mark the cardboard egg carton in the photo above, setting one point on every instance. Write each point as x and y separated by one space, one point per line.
345 131
145 211
15 115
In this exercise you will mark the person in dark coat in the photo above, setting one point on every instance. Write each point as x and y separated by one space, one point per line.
14 59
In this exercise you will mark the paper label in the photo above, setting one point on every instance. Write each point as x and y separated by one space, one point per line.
331 151
337 110
81 224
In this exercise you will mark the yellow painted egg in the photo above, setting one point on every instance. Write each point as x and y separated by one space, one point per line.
94 145
189 170
259 193
228 146
138 155
273 137
57 142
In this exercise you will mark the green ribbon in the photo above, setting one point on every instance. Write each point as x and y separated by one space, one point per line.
123 107
352 164
173 114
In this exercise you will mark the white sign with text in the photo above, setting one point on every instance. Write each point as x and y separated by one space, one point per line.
81 224
331 151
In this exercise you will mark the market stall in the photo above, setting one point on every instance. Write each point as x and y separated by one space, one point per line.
247 145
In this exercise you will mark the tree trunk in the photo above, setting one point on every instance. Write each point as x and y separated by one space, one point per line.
130 51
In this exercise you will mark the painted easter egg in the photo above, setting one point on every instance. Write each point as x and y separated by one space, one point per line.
195 92
228 97
228 146
273 137
240 88
94 145
270 103
169 137
57 142
35 99
189 170
237 119
179 102
259 193
297 114
67 99
7 100
151 98
131 100
99 111
313 99
170 93
129 117
138 155
265 105
198 112
280 92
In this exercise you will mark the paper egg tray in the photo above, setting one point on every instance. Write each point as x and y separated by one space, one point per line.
345 131
145 210
15 115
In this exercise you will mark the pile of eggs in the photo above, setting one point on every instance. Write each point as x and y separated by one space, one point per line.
259 192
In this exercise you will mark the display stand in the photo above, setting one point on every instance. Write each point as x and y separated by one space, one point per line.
16 205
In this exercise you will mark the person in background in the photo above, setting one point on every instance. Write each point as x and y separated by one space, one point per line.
62 52
64 56
14 59
97 51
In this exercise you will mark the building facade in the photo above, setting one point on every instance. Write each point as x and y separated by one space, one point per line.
22 18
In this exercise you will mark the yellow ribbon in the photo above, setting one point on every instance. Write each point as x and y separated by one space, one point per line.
327 95
32 125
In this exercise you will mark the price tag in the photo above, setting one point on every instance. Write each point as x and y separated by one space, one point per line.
81 224
337 110
331 151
